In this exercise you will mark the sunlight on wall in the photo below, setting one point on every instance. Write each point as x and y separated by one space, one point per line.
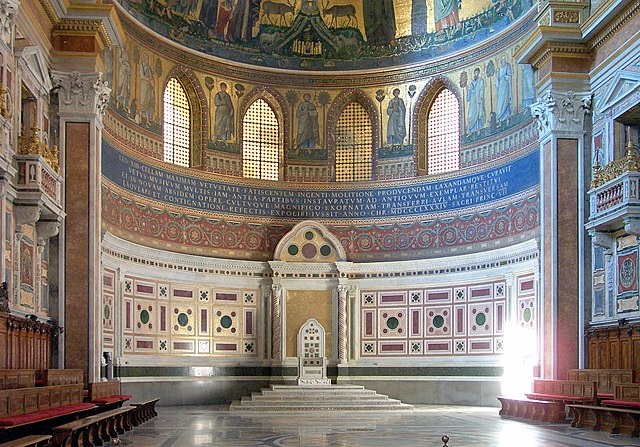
519 360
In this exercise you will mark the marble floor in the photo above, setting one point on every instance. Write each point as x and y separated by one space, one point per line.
215 426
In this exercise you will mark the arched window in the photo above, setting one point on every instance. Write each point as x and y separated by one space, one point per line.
261 142
177 124
353 144
443 133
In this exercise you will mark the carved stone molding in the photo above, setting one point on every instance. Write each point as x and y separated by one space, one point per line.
604 240
563 112
47 229
8 12
632 226
81 93
26 214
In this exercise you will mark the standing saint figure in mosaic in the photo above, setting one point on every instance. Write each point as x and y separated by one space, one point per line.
396 125
503 85
308 134
124 78
445 13
476 113
223 126
147 89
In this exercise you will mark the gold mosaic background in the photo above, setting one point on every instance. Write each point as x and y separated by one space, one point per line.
305 304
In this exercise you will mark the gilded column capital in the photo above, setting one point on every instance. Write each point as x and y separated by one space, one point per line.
561 111
81 93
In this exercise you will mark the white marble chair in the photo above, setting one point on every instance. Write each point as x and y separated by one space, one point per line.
312 364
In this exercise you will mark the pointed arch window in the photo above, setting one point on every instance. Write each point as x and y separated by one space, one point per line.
177 124
354 155
443 133
261 145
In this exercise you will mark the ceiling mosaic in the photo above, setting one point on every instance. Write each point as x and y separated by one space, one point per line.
327 34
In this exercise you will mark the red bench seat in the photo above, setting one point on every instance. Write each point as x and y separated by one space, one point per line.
620 403
43 414
112 399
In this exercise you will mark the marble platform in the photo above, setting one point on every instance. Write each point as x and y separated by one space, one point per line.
216 426
317 398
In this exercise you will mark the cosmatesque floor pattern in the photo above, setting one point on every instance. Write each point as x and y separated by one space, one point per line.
215 426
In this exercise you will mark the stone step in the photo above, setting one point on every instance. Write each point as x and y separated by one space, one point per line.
303 401
278 397
345 406
317 387
317 398
345 394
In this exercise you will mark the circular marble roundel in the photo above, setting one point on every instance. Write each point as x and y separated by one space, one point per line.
627 273
144 316
392 323
183 319
481 319
309 235
438 321
309 251
226 322
527 314
325 250
292 250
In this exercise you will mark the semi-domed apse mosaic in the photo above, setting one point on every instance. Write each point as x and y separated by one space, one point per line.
328 34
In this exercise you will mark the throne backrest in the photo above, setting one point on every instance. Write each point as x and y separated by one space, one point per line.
311 341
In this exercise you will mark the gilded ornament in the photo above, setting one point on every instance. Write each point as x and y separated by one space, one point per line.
4 111
566 17
34 146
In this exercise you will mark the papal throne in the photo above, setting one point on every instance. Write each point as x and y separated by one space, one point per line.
312 364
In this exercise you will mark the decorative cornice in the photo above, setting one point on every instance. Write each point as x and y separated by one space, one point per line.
615 26
86 93
83 27
560 49
558 111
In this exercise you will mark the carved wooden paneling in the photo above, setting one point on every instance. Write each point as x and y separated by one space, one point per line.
25 343
614 347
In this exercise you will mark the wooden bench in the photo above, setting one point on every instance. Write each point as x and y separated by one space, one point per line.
29 441
538 410
606 378
21 408
107 394
93 430
144 411
50 377
17 378
565 391
615 420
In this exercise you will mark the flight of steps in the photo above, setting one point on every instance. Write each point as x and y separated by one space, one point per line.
317 398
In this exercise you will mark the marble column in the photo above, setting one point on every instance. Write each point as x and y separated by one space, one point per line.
276 324
343 334
82 98
561 117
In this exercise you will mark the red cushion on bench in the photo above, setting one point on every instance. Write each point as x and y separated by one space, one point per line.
40 382
621 403
59 411
23 418
605 395
539 396
112 399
